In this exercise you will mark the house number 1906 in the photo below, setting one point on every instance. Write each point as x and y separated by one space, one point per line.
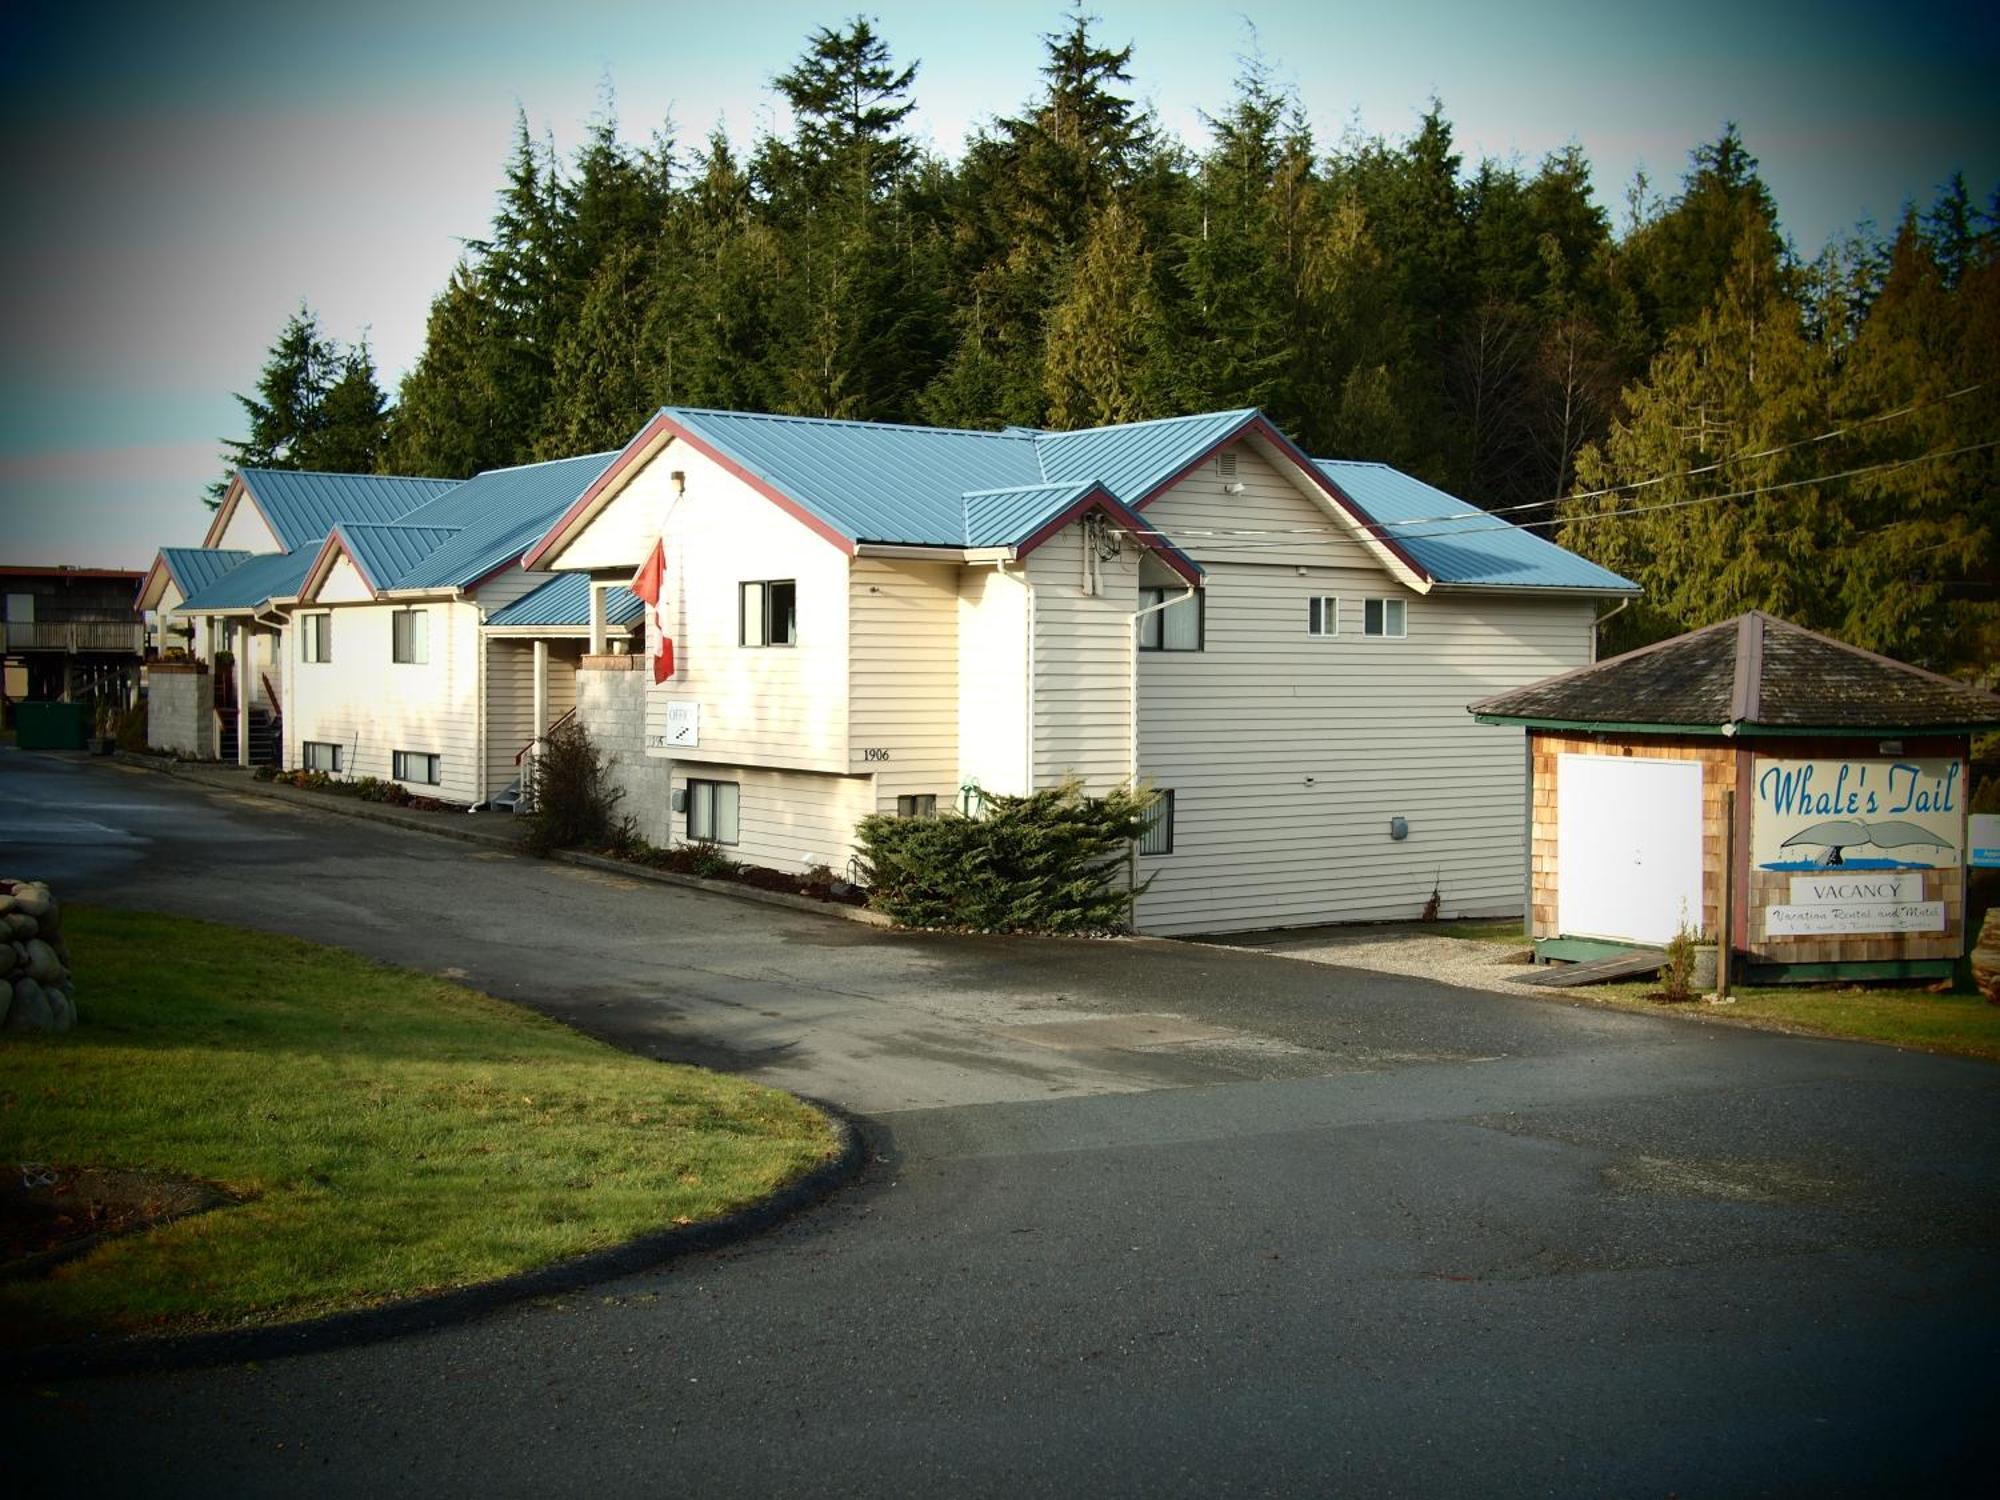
874 753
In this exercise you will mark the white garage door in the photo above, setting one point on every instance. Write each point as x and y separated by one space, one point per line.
1628 847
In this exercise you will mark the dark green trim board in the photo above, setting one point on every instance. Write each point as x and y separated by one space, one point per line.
1573 950
1585 726
1891 968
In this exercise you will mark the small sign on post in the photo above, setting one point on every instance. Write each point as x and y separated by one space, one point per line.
1985 840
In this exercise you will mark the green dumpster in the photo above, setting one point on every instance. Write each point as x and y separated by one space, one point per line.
52 726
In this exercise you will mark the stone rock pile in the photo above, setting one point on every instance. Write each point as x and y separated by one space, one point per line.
36 991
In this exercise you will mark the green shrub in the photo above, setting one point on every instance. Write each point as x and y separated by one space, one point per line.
131 729
1050 862
574 806
1677 973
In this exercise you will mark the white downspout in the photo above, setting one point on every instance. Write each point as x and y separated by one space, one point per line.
481 645
1137 616
1598 622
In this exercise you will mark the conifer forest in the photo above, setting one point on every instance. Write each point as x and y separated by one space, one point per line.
1671 388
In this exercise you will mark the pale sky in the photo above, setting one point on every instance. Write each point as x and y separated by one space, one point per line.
179 178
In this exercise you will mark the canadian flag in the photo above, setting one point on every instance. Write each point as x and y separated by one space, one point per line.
650 584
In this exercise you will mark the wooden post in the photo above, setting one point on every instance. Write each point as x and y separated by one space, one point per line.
1727 938
245 639
596 590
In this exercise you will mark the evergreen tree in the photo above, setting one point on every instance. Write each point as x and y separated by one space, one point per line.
1745 378
1680 258
451 415
351 433
1104 354
285 414
605 383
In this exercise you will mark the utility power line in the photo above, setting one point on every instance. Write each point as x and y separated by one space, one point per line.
1468 524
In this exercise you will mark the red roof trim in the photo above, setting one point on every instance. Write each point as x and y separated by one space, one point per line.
1260 425
1097 497
653 430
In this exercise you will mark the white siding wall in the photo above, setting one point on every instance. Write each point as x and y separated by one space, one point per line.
505 587
993 679
903 676
371 706
791 820
1197 514
343 585
1378 725
510 700
246 529
1083 647
773 705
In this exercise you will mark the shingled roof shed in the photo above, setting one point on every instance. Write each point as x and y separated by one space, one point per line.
1805 795
1755 674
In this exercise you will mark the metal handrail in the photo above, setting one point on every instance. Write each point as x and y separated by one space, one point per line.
521 753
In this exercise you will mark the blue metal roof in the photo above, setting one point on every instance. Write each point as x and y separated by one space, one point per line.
565 600
195 568
951 487
303 506
384 553
496 516
871 481
1000 518
1457 543
882 482
253 582
1133 459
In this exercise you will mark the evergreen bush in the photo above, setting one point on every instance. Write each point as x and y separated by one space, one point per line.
575 806
1047 862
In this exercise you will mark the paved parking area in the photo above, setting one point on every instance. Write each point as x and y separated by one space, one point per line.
1144 1218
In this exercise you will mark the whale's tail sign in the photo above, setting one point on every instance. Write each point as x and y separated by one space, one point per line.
1846 833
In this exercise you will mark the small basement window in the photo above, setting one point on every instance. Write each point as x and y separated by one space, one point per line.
1181 626
923 805
714 812
1385 617
1157 837
768 613
1323 615
322 755
410 636
418 766
316 638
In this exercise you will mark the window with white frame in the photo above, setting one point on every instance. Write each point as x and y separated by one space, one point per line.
1157 837
419 766
922 805
316 638
767 613
1323 615
410 636
714 812
1385 617
322 755
1178 627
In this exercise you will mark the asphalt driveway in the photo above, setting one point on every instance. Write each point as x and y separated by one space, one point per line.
1145 1218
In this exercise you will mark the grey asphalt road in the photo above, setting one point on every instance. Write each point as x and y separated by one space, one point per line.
1144 1218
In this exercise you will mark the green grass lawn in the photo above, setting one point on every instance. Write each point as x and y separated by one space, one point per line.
389 1133
1898 1017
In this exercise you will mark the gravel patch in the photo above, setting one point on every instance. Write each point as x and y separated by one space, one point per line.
1466 962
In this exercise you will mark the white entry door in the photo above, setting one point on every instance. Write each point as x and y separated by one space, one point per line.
1628 847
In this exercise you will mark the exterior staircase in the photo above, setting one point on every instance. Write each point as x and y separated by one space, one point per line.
267 735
